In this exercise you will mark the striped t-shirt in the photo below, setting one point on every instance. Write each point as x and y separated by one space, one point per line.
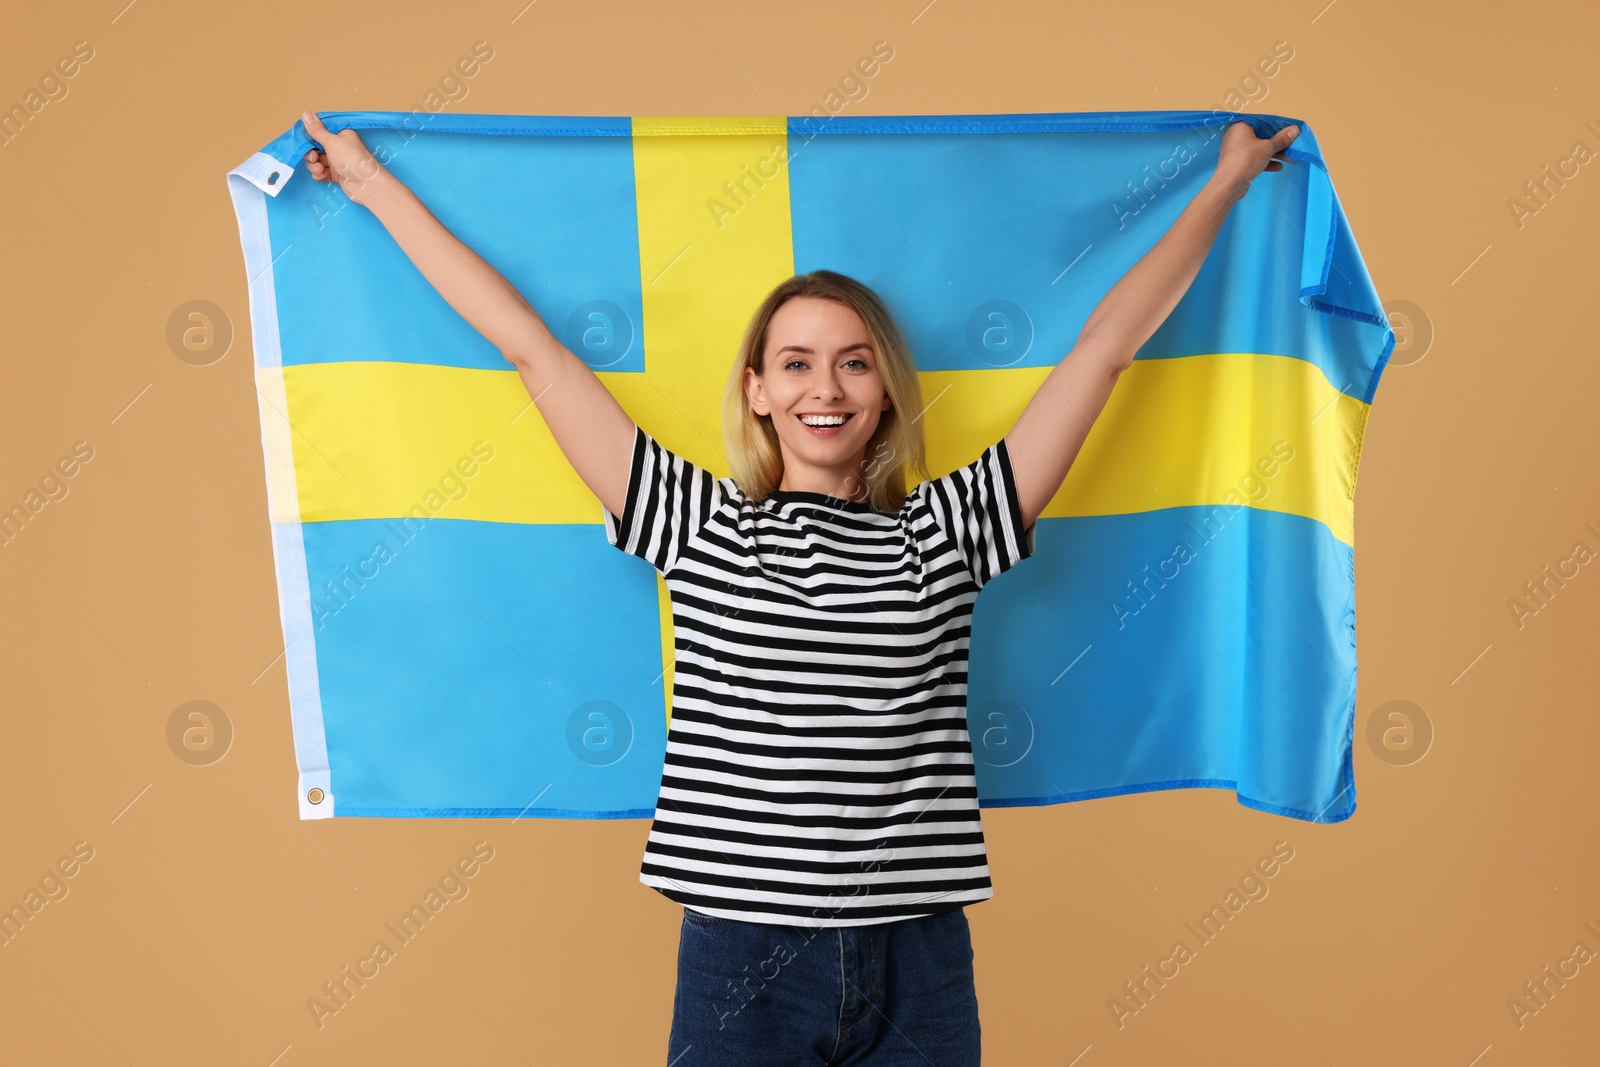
818 767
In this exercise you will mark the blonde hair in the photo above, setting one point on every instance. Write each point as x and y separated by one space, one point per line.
895 447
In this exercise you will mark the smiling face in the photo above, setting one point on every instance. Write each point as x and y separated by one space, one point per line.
820 366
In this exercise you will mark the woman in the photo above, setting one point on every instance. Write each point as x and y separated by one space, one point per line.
818 814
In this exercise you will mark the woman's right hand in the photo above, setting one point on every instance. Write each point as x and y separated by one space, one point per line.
343 159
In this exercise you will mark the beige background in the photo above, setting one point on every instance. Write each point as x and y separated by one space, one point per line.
208 915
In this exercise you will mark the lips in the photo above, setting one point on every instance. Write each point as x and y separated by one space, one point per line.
825 431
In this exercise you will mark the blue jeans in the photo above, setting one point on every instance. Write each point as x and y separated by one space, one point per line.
883 995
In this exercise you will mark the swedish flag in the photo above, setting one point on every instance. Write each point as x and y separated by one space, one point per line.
462 641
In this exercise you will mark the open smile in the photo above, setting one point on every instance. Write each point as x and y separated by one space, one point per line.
828 429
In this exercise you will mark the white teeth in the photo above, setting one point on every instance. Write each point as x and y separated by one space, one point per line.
822 420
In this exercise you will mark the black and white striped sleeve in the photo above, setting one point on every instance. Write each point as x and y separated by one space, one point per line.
977 509
669 500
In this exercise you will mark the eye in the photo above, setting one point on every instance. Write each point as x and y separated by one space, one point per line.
860 361
792 362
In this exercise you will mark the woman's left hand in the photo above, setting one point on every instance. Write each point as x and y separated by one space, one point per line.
1244 155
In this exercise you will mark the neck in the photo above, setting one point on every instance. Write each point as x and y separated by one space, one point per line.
844 483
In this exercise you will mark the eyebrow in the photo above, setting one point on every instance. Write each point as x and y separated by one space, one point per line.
811 351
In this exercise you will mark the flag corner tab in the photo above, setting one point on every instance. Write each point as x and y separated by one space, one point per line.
264 172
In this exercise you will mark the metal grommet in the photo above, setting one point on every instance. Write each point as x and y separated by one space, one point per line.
272 179
315 795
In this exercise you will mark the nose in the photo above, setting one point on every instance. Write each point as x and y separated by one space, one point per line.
828 389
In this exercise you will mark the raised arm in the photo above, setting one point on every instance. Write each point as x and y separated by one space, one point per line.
591 428
1051 430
